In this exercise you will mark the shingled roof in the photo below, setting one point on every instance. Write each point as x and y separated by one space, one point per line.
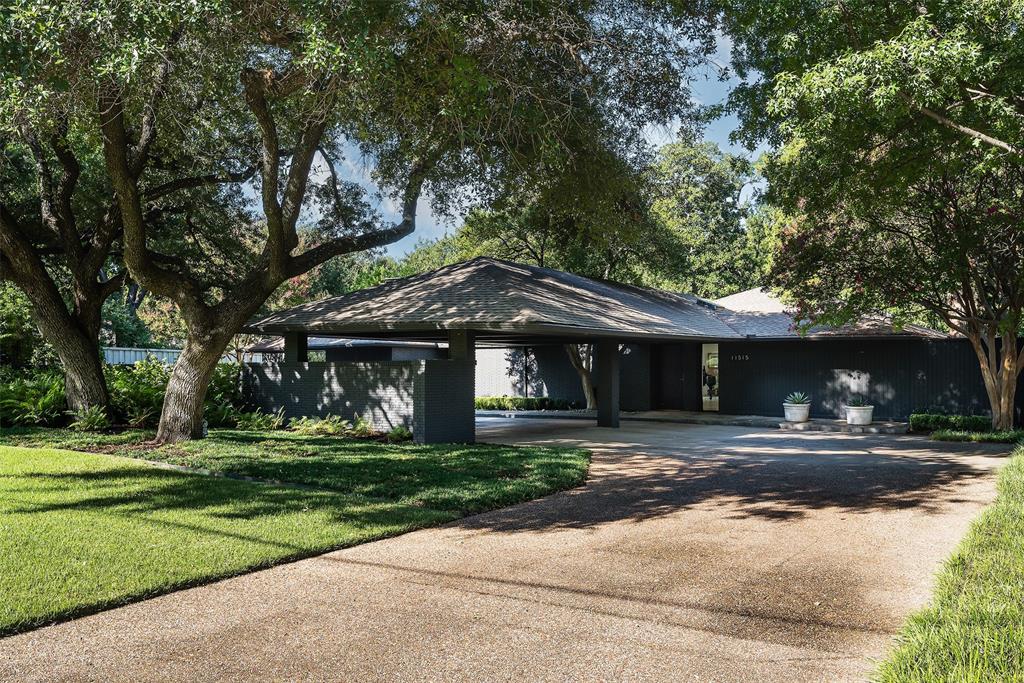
498 298
505 302
757 313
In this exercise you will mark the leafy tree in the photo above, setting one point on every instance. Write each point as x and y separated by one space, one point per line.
900 134
700 197
194 103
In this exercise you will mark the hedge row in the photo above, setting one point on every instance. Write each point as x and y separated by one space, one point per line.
522 403
930 422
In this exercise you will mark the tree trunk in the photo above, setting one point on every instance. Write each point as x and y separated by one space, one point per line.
182 415
581 360
1000 370
76 346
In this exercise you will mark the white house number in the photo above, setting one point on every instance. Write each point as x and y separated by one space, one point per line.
739 356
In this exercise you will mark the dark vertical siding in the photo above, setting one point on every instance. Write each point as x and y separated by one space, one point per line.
899 376
675 370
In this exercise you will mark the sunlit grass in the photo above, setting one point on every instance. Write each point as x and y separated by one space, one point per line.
80 532
974 628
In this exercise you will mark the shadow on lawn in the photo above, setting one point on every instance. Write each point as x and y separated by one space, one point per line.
148 493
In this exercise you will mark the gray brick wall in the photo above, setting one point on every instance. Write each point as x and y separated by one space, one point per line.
381 392
433 398
443 403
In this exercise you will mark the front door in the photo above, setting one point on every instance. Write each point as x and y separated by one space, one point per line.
709 377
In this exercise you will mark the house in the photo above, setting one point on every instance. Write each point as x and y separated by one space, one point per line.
503 328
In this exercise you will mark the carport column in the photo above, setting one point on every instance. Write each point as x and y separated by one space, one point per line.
607 383
461 345
296 347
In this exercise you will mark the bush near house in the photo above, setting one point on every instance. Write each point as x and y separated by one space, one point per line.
36 397
523 403
973 630
930 422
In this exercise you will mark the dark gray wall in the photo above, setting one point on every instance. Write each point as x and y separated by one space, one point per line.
675 372
433 398
899 376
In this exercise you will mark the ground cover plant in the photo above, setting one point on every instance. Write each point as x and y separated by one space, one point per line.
523 403
1008 436
85 531
973 630
930 422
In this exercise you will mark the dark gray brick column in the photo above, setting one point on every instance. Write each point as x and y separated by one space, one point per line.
607 359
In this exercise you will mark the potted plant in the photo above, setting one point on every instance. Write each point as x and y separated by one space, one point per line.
859 411
797 407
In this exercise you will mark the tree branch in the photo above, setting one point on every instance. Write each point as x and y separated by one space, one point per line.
949 123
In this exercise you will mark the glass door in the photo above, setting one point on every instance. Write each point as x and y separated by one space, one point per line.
709 377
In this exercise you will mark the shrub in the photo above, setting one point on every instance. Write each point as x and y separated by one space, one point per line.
92 419
399 434
362 427
224 396
331 425
522 403
1012 436
258 421
930 422
33 399
137 391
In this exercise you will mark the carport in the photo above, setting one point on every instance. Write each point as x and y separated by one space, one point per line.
480 302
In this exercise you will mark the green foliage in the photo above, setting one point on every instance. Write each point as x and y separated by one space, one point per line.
21 345
399 434
361 427
700 199
930 422
798 398
522 403
123 326
137 391
223 396
858 401
32 398
1010 436
973 627
258 421
91 419
330 425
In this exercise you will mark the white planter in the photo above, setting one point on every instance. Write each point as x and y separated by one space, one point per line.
859 415
797 412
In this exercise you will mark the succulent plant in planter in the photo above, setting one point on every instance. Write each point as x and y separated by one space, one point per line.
797 407
859 411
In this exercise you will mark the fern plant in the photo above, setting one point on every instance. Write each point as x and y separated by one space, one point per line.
91 419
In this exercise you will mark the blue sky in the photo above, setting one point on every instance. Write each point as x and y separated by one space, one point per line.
707 89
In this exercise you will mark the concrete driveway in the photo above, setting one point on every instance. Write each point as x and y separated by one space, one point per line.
692 553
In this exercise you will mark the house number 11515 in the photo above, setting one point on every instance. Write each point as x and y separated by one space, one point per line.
739 356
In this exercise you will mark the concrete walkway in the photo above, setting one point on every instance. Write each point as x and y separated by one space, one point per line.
703 553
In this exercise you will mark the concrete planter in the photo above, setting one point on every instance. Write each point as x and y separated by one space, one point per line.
797 412
859 415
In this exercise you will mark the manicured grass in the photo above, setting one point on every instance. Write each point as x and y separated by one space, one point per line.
1012 436
974 628
80 532
459 478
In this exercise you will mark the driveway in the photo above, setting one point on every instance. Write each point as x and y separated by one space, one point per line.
692 553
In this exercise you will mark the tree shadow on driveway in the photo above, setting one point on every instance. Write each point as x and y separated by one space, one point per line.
755 474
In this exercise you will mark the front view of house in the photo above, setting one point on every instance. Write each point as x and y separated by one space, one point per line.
416 351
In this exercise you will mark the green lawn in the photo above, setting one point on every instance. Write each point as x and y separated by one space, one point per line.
81 531
974 628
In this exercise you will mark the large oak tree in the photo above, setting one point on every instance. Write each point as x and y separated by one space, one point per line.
225 109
